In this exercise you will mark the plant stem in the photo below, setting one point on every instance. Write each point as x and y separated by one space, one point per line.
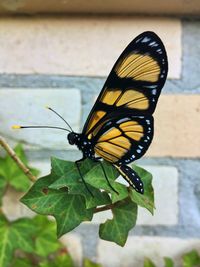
107 207
18 161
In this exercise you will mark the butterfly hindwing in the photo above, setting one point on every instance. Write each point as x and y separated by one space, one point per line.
134 83
124 139
131 177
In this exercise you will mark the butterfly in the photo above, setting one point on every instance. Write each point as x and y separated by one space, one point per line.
119 128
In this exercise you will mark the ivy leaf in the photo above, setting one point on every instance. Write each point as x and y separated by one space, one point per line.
46 241
93 175
60 167
68 210
97 179
6 247
22 229
191 259
68 176
148 263
147 199
63 195
22 262
89 263
168 262
14 235
3 185
13 174
124 219
62 260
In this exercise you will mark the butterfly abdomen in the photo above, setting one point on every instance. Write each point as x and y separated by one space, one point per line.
131 177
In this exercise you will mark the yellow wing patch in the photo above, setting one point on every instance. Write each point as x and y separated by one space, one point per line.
131 126
132 129
110 96
122 141
139 67
97 115
134 135
105 155
111 149
131 98
115 143
111 133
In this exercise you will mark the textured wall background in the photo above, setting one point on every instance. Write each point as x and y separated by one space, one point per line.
36 69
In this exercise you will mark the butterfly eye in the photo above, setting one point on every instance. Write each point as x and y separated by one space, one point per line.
71 138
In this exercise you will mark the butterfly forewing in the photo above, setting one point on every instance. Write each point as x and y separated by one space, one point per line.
134 83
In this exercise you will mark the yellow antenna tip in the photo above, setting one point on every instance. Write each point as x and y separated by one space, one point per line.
47 107
16 127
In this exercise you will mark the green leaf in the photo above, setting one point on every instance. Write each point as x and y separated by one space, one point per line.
46 241
13 174
60 167
3 185
6 246
22 229
68 210
62 260
147 199
22 262
89 263
191 259
14 235
168 262
63 195
68 176
97 179
148 263
124 219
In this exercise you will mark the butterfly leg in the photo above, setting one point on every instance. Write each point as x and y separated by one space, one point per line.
85 184
107 177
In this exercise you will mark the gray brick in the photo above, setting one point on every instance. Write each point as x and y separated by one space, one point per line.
12 207
60 46
137 248
165 183
74 246
26 107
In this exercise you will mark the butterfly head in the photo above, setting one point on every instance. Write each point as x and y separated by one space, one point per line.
73 138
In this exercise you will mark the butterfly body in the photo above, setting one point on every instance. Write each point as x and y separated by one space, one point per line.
83 144
120 126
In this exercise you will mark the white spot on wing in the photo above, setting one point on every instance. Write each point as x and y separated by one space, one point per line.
154 91
145 40
122 120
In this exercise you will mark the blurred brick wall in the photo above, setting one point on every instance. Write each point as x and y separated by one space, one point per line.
62 62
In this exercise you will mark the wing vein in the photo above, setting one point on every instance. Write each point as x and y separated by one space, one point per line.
100 149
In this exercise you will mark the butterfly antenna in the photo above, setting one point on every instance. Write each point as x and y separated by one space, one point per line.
60 117
41 126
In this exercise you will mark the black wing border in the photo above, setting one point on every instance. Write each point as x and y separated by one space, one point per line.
147 43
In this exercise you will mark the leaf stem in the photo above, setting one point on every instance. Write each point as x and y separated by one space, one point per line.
107 207
18 161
